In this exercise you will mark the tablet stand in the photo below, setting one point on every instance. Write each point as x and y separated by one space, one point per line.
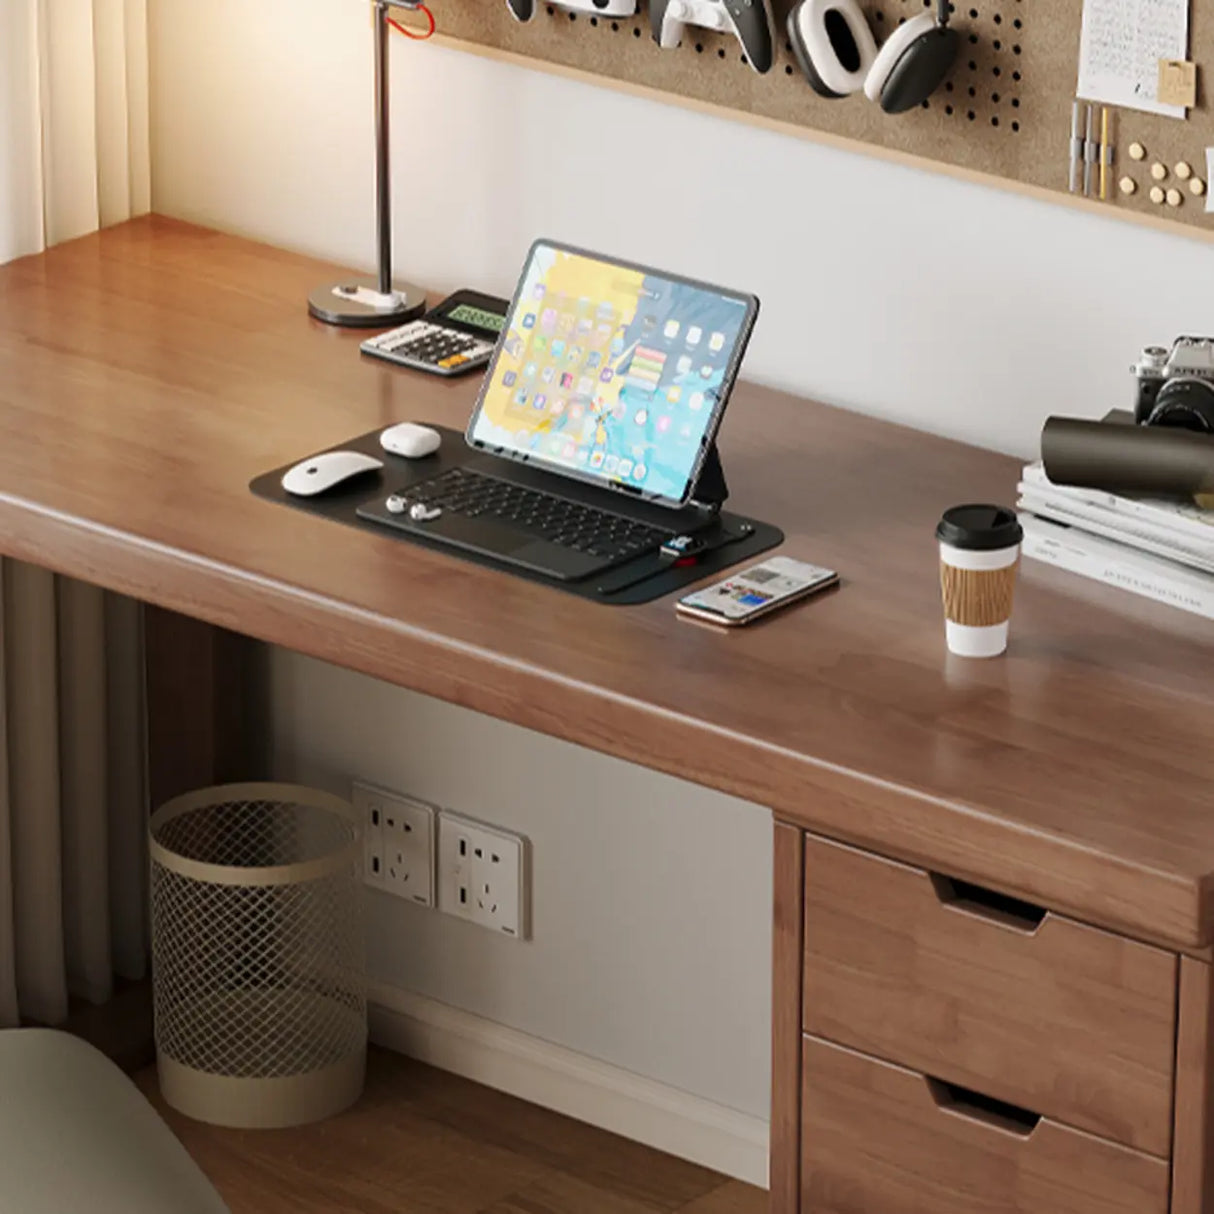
711 491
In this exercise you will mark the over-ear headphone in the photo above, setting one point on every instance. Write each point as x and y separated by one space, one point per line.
836 49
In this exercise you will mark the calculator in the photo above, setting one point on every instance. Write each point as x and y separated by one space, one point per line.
456 337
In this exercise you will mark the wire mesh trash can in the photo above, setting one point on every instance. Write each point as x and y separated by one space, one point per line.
257 955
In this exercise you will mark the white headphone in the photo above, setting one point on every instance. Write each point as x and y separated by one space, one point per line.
836 49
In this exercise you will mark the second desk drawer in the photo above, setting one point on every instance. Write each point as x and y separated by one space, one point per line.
1029 1007
881 1139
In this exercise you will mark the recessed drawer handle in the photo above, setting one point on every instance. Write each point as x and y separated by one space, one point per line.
988 904
986 1110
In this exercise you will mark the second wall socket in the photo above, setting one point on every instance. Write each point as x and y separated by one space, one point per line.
398 843
482 875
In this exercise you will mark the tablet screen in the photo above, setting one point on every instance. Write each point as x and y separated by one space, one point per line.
612 372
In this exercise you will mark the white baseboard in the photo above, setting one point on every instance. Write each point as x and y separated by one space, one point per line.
578 1086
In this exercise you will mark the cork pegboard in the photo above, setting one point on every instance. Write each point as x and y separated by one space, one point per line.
1003 114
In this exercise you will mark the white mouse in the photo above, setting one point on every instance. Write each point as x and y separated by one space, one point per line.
410 441
324 472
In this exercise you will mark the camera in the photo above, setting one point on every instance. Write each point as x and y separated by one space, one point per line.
1176 387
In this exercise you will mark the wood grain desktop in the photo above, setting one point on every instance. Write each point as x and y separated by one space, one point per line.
149 372
1013 855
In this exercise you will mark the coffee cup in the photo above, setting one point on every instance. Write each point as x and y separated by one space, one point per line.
979 560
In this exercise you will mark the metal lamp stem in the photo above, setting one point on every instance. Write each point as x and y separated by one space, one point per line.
383 144
380 304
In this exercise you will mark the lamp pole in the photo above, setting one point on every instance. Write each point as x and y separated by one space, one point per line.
353 302
383 158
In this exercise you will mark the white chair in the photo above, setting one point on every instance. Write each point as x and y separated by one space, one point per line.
77 1136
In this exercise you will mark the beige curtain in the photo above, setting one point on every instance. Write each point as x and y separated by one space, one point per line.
73 157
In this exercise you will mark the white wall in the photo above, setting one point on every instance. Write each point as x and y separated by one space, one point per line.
20 151
952 307
651 899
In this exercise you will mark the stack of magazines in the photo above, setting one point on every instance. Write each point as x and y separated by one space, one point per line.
1161 548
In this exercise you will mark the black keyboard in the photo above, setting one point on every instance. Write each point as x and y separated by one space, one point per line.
541 515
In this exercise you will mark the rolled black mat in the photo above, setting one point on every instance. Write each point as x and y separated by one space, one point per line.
1127 458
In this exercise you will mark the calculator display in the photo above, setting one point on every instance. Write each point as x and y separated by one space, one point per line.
466 314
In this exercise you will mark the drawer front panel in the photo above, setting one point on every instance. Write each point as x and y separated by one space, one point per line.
1026 1006
881 1139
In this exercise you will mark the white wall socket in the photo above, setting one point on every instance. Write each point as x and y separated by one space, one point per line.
398 843
482 874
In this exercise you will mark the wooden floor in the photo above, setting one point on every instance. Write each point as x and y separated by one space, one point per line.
422 1141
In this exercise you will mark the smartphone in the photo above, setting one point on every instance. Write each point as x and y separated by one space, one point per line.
749 596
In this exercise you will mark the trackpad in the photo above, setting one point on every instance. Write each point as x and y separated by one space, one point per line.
482 534
538 555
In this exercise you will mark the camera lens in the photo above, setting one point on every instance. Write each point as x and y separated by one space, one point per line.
1185 404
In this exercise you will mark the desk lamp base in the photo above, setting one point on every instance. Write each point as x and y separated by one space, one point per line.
358 304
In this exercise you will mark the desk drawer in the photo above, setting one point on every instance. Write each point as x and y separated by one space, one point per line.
1075 1023
880 1139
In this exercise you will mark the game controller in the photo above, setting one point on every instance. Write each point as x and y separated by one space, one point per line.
524 10
748 20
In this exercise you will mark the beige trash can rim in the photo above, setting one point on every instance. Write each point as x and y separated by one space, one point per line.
263 793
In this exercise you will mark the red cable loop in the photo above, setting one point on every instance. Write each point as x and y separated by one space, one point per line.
408 33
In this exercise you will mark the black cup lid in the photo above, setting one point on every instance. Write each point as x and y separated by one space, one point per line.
980 528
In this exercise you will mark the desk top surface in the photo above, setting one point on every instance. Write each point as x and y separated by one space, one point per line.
147 374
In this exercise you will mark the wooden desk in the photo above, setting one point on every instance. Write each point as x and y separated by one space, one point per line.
147 374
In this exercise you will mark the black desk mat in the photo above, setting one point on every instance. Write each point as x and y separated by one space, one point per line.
342 504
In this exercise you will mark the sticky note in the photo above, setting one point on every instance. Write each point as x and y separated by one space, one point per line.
1178 82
